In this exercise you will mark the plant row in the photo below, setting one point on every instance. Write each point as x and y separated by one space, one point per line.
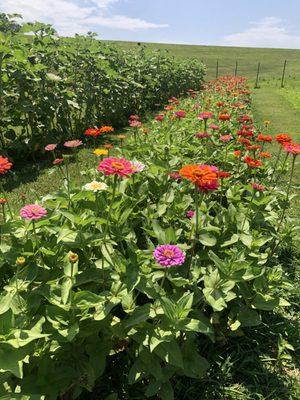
168 247
51 88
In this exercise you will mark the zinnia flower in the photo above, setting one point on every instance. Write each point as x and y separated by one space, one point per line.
175 176
108 146
100 152
264 138
106 129
257 186
95 186
214 127
137 166
202 135
190 214
204 115
283 138
3 200
180 114
224 117
33 212
73 143
135 124
265 154
159 117
223 174
252 162
58 161
226 138
292 148
51 147
169 255
5 165
203 176
94 132
116 166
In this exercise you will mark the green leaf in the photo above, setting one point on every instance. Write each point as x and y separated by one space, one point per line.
207 239
139 315
170 353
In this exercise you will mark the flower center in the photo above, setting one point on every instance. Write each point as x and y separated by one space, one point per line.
117 165
168 253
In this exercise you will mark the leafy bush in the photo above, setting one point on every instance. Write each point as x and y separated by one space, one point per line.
53 88
80 284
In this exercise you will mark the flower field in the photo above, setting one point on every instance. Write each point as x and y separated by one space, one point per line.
168 247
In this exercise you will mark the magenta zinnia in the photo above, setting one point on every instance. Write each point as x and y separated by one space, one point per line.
169 255
116 166
33 212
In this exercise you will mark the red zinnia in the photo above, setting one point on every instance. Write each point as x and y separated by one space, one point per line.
94 132
252 162
5 165
283 138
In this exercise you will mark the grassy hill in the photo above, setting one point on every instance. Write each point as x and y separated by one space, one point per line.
248 58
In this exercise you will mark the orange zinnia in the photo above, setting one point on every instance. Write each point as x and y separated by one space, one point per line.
203 176
106 129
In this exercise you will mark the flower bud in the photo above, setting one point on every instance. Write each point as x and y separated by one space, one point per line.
73 257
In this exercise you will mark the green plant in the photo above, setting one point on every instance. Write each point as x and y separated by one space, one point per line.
80 286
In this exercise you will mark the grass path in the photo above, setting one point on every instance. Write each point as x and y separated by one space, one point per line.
271 103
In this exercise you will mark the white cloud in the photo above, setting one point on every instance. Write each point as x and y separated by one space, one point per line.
268 32
70 17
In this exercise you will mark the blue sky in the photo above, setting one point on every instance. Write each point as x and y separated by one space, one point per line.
259 23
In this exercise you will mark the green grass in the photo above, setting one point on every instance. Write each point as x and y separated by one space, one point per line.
250 368
248 58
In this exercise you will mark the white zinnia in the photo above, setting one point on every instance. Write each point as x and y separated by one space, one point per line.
95 186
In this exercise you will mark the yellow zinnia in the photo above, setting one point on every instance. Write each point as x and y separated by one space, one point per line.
100 152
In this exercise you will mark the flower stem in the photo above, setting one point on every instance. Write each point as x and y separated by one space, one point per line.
276 162
248 210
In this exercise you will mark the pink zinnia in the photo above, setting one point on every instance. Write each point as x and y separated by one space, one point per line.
257 186
73 143
214 127
226 138
292 148
180 114
50 147
169 255
135 123
190 214
58 161
205 115
202 135
116 166
33 212
175 176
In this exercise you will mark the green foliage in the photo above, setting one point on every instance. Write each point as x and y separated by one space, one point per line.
64 320
52 88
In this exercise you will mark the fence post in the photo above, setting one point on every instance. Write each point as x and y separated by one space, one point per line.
283 74
217 69
257 76
236 68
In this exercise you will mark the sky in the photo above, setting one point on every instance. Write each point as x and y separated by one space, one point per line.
254 23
